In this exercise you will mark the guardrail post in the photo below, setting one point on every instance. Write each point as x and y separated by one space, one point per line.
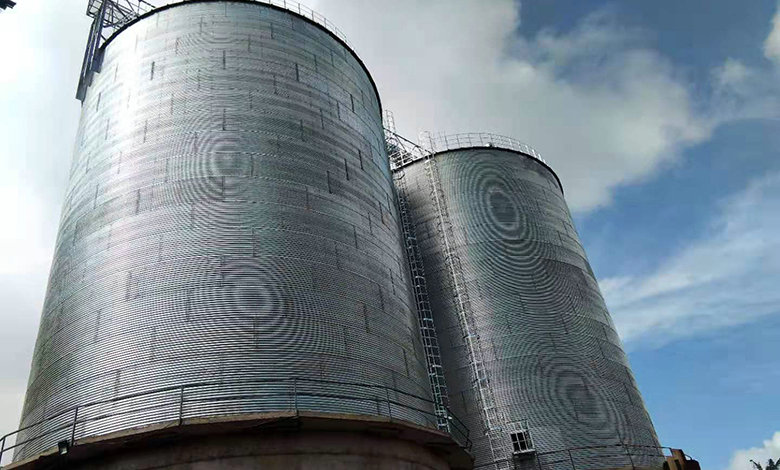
389 410
73 430
181 405
571 459
2 449
295 394
630 459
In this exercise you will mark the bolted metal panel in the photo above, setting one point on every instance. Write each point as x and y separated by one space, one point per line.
540 351
229 216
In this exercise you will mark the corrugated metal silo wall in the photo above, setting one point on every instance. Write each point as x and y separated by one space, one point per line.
230 216
552 354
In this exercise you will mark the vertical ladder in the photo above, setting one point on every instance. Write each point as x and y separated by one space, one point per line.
424 314
491 414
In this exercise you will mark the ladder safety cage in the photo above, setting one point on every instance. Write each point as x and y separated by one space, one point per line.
493 418
400 150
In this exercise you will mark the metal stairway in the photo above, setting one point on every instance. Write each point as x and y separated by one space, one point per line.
402 152
492 415
398 153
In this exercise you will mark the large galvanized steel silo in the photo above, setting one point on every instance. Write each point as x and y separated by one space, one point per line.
229 241
532 360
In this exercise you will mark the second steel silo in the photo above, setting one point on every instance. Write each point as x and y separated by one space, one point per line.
229 242
531 358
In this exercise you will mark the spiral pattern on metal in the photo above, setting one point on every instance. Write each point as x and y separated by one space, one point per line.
549 350
229 216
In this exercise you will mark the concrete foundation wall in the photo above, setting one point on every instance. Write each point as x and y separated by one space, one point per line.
283 440
320 450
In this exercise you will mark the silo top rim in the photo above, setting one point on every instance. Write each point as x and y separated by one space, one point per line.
442 143
290 6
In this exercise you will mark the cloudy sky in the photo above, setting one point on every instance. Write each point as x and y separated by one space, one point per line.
662 119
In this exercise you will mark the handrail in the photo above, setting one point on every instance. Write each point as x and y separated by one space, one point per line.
288 5
552 459
111 16
308 13
290 396
443 142
432 144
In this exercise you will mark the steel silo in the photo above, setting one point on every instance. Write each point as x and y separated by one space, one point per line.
229 240
531 357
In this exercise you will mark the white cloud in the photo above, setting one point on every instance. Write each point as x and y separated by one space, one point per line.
749 91
41 57
772 43
732 74
727 278
744 92
603 109
770 449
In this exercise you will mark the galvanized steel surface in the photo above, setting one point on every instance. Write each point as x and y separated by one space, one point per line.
230 215
180 405
551 355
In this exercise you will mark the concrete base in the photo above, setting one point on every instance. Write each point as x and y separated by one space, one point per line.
283 441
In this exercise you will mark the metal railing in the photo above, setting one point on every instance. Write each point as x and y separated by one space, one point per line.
109 16
397 151
220 399
588 458
402 151
289 5
443 142
308 13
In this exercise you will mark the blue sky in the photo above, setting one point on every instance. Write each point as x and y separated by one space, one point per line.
661 118
717 389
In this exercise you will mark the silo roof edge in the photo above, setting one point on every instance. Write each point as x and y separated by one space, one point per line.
334 32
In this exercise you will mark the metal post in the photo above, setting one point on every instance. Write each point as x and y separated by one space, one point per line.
630 459
181 404
73 430
625 448
389 410
571 459
2 449
295 394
